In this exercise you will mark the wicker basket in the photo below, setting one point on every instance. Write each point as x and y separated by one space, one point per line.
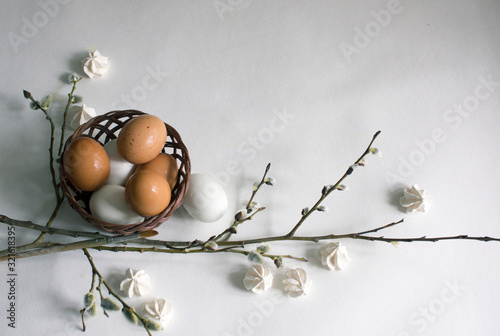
104 128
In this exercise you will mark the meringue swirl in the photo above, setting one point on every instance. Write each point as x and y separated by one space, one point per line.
334 256
258 279
95 65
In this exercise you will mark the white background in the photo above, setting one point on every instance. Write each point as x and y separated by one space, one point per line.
225 69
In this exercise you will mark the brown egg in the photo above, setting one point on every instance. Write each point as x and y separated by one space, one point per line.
147 192
141 139
163 164
86 164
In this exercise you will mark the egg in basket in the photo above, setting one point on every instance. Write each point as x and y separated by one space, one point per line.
125 171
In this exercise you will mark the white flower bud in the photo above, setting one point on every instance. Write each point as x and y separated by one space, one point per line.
46 102
270 181
396 244
376 151
322 208
211 245
72 78
241 215
264 248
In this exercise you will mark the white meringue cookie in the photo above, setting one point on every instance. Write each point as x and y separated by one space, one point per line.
334 256
136 284
415 200
298 283
258 279
159 309
95 65
79 115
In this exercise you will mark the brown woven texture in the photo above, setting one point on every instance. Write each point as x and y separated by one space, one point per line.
105 128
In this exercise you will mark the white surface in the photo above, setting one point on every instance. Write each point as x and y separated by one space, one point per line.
267 81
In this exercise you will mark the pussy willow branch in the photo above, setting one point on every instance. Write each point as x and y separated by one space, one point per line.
56 186
196 246
50 230
38 242
44 229
95 271
91 291
28 95
55 248
65 115
232 228
331 189
101 296
187 247
98 243
231 249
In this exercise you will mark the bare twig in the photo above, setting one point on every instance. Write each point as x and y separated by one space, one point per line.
65 115
328 191
74 246
227 233
112 292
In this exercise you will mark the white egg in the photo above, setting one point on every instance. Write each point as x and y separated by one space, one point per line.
205 199
120 169
108 204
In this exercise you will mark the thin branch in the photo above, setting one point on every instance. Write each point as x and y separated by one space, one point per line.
231 249
187 247
45 230
112 292
334 187
382 227
50 230
262 181
56 186
426 239
73 246
232 228
82 313
60 201
65 115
